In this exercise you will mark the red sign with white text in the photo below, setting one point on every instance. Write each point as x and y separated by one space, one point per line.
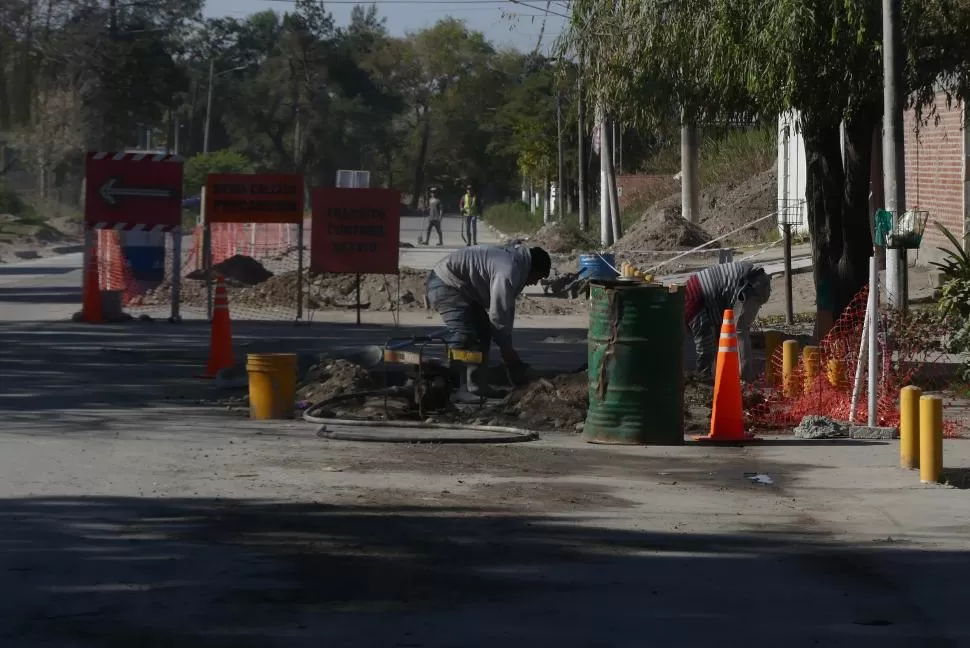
133 191
355 231
249 198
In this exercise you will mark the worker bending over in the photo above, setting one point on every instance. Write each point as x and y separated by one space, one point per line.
474 291
471 209
710 292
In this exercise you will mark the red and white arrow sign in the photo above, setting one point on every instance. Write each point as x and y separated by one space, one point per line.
110 192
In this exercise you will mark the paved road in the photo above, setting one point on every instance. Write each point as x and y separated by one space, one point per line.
134 512
50 288
41 289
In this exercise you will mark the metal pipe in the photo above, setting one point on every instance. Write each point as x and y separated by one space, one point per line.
873 341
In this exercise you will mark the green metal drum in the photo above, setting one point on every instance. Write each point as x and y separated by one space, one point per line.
636 364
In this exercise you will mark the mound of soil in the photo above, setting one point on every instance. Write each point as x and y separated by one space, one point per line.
556 238
333 378
724 208
326 291
662 229
238 269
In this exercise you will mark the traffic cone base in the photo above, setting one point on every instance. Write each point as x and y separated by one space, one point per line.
220 344
727 415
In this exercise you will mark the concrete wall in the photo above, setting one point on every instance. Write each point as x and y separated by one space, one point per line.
936 172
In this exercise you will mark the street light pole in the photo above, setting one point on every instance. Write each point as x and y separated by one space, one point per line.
208 107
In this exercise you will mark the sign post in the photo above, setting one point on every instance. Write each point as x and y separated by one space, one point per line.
355 231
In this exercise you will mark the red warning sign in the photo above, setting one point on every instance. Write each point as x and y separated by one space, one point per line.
248 198
355 231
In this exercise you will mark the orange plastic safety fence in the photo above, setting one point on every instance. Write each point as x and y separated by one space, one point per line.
822 380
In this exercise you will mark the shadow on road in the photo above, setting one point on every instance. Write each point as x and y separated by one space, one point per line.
51 366
37 295
14 271
111 571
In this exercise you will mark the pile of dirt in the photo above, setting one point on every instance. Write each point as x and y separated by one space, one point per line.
325 291
557 238
333 378
663 229
557 403
723 208
237 269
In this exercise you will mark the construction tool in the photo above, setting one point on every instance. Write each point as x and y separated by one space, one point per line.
567 284
434 371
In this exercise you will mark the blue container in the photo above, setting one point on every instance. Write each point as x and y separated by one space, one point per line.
145 253
597 266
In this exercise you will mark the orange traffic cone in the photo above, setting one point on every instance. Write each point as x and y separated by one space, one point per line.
727 417
91 295
220 345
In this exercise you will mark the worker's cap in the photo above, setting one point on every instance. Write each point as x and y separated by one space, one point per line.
541 263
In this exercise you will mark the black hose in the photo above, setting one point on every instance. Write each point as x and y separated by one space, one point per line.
496 433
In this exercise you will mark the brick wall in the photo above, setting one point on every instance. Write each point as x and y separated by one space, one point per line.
632 186
935 173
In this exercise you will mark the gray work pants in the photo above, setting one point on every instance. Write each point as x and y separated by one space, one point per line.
470 230
468 324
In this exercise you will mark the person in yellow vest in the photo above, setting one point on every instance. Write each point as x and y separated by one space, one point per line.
471 210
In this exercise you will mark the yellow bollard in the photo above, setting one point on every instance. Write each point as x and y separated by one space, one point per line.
909 414
272 385
930 439
789 355
835 369
812 363
772 342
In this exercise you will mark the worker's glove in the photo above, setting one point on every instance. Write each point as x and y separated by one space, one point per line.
520 374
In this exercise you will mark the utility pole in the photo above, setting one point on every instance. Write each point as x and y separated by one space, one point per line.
581 163
560 185
208 106
893 154
606 224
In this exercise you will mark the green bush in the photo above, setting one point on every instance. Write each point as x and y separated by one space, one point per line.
956 259
513 218
199 166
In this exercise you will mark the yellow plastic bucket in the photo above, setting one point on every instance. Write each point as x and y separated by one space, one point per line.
272 385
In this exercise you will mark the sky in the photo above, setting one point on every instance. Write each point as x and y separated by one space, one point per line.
503 22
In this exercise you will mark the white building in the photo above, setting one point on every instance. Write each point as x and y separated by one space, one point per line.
792 208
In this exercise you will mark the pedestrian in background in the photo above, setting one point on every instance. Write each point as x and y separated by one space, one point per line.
471 210
434 218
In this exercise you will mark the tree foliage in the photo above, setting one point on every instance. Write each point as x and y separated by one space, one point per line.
290 91
715 58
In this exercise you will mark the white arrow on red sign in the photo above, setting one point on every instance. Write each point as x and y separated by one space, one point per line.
109 192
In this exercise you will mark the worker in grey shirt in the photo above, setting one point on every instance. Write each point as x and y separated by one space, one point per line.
710 292
434 218
474 290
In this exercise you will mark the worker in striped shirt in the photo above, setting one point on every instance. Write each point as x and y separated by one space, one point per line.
739 286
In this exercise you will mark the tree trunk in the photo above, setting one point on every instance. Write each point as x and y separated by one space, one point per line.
824 182
425 126
837 197
856 232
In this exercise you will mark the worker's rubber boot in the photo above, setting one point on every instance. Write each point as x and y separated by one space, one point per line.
475 387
